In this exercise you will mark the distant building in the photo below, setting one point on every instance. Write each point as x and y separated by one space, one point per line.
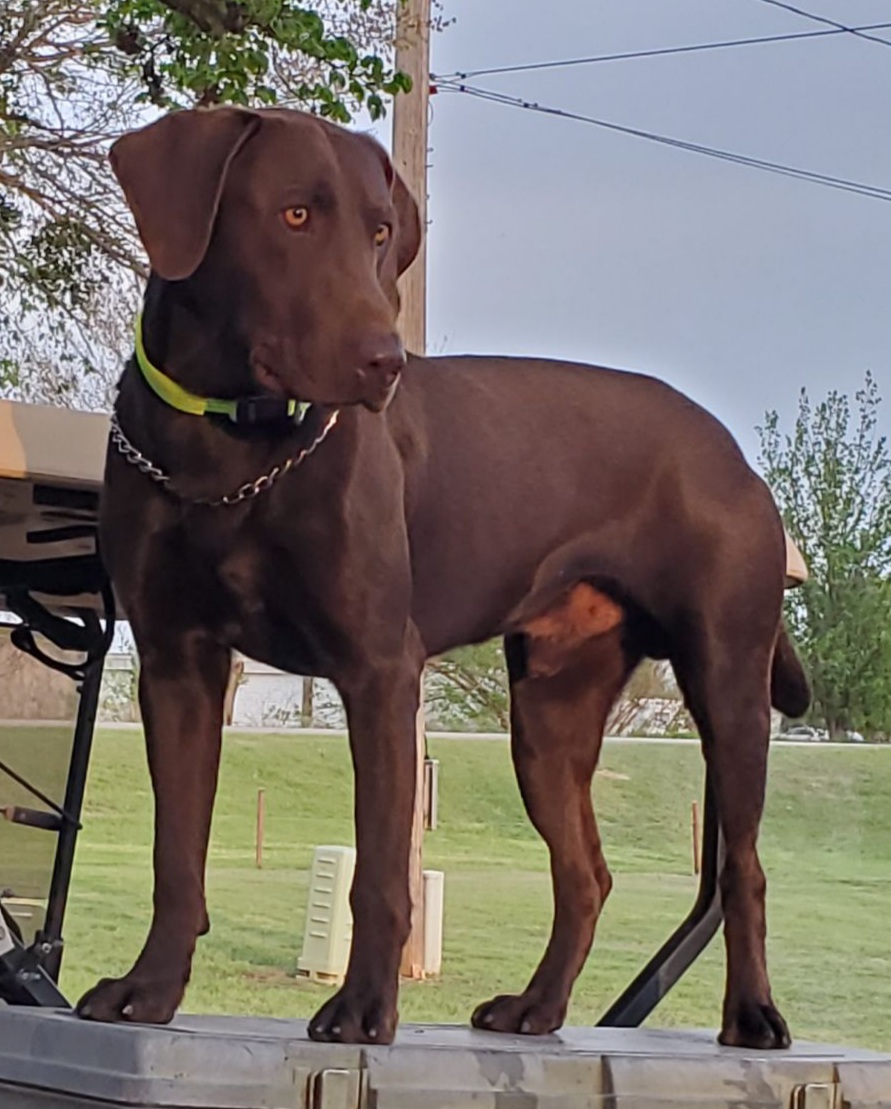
264 697
267 698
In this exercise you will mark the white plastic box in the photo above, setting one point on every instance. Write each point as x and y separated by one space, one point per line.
328 931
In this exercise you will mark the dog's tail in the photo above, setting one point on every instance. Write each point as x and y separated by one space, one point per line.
790 691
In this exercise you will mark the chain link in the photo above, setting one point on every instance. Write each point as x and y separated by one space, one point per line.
245 492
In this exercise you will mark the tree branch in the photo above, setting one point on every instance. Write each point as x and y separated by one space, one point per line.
215 17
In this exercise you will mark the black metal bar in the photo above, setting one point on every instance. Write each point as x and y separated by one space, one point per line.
684 946
62 534
59 577
49 939
28 976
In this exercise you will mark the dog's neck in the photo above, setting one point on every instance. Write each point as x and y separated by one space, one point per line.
196 349
205 457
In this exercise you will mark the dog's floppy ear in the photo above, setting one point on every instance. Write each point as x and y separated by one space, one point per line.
408 230
172 173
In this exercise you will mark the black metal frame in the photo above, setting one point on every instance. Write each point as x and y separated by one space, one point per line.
49 939
23 978
29 975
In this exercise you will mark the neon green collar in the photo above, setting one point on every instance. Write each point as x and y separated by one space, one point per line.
263 408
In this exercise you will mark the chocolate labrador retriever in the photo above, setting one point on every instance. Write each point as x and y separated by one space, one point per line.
284 480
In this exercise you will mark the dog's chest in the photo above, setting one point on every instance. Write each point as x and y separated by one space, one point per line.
267 598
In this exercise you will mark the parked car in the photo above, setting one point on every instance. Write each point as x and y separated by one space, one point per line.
804 733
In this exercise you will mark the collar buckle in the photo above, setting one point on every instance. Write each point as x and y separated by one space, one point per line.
261 409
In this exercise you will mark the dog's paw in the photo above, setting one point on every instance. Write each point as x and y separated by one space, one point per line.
349 1018
131 999
518 1013
756 1025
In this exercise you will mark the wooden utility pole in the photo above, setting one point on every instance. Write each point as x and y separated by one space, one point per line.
410 159
261 828
694 824
306 702
410 155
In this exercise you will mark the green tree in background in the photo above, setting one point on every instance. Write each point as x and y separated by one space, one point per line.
832 480
325 54
74 74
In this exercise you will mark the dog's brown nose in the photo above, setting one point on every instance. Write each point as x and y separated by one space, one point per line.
381 359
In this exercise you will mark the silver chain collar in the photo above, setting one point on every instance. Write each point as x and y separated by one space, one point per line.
243 493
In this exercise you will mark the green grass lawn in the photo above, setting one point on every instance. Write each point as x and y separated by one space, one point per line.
826 848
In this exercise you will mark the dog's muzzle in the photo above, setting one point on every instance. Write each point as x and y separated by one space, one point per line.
381 403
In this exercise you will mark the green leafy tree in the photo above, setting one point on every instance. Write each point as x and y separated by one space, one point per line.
328 55
74 74
832 480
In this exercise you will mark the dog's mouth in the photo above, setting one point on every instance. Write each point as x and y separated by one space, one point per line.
275 384
268 379
381 402
374 397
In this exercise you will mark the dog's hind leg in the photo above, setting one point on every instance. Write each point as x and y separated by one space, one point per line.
725 678
557 724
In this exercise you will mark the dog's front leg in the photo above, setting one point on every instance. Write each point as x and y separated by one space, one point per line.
182 685
381 709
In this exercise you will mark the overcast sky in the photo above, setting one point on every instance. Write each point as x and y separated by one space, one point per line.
552 237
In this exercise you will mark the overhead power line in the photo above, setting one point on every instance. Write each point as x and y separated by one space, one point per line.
835 29
827 180
860 32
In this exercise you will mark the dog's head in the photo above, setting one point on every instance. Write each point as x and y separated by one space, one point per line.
290 230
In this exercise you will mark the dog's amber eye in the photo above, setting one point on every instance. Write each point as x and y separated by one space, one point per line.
382 234
296 217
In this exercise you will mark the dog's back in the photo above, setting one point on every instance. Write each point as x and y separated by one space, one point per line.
601 459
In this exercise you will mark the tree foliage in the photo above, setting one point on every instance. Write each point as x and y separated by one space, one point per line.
832 480
467 690
74 74
182 52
